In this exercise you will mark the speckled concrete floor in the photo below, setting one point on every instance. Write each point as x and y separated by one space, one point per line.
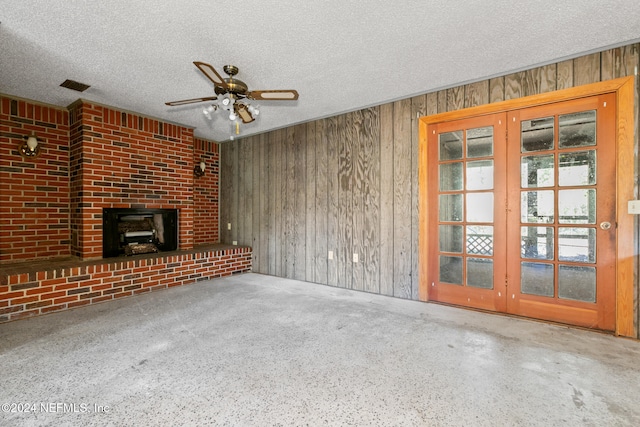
253 350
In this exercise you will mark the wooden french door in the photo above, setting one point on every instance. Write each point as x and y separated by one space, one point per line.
526 212
468 185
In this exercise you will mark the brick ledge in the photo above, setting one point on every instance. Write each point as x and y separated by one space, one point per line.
66 284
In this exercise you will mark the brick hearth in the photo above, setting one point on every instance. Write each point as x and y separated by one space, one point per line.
94 157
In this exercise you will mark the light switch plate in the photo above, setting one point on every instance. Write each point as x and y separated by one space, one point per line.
330 255
634 207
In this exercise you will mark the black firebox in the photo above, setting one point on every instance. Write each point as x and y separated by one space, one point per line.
137 231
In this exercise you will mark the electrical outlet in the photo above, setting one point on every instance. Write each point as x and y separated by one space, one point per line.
235 243
330 256
355 257
228 226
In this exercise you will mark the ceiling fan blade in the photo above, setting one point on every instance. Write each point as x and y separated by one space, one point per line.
211 73
273 95
243 113
191 101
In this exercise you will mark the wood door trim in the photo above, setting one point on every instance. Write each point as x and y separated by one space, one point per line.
625 159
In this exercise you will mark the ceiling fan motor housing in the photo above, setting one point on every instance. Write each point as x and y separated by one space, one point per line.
234 86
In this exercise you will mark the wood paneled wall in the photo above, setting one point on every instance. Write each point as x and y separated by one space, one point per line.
348 184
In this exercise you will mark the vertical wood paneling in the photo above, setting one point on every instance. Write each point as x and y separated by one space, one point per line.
300 200
513 85
564 71
418 109
402 199
358 189
455 98
370 154
387 198
496 89
432 103
260 225
333 158
322 207
246 196
228 192
442 101
236 197
586 69
311 174
626 63
270 203
289 203
548 78
348 184
530 82
477 94
606 65
345 201
280 189
225 192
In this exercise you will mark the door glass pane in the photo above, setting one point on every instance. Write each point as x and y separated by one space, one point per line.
537 171
450 207
577 244
537 206
450 237
480 207
577 283
480 273
536 279
451 269
577 168
480 239
536 242
450 145
480 175
480 142
577 206
451 176
577 129
537 134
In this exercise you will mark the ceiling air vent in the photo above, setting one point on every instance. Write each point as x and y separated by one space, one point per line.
73 85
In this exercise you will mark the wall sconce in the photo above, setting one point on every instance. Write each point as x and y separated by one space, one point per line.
30 148
199 169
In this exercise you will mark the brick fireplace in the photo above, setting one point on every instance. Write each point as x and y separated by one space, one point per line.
134 231
121 160
96 158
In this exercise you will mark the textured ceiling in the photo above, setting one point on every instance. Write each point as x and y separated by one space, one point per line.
339 55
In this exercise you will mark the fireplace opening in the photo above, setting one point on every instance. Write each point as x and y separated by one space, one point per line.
138 231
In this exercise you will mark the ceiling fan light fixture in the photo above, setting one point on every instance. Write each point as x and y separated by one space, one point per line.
208 110
253 110
232 95
226 102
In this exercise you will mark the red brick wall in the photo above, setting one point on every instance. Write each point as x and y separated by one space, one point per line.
94 157
34 193
39 292
206 193
123 160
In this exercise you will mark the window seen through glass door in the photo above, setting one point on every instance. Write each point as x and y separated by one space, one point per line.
465 207
558 206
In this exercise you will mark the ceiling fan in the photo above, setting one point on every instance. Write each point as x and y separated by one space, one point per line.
231 94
